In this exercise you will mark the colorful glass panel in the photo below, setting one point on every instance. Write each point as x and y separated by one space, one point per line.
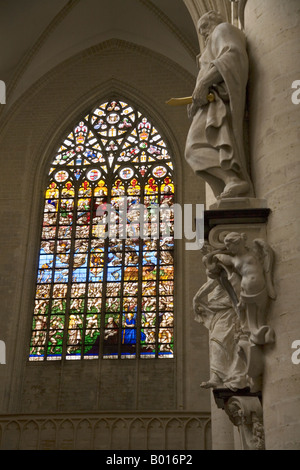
105 276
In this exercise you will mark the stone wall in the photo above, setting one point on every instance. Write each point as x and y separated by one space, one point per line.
32 129
272 30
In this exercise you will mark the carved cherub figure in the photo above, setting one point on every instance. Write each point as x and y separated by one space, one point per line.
254 266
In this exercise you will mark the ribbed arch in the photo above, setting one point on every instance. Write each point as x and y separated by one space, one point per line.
105 277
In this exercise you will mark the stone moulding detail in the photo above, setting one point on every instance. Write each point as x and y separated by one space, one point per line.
41 40
111 46
104 430
246 414
170 25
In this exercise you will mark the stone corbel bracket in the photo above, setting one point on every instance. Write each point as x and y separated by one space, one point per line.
245 412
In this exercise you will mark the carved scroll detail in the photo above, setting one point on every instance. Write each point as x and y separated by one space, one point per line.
246 414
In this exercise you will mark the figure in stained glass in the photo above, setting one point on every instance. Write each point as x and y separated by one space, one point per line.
97 291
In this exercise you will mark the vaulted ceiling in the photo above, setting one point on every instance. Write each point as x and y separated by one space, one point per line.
36 36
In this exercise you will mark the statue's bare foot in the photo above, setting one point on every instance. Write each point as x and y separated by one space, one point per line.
234 189
210 384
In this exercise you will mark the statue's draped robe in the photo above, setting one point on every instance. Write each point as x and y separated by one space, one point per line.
224 329
215 138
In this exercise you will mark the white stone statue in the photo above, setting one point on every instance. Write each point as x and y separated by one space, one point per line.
213 308
254 265
215 143
233 305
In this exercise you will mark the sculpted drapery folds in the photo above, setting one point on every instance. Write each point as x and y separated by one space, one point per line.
213 308
233 305
215 143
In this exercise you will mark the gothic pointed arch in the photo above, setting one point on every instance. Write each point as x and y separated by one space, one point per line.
105 280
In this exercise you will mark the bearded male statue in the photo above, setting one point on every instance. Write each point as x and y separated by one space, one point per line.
215 142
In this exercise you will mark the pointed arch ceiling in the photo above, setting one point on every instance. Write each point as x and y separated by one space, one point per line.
39 36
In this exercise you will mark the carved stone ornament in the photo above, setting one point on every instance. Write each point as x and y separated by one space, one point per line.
233 304
215 143
246 414
240 12
214 309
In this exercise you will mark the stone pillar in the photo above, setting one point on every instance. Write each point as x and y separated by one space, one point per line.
272 31
236 430
222 429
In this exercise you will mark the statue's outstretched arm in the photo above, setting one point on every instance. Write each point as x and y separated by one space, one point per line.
224 259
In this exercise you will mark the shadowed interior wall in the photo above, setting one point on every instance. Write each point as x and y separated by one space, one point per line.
272 30
33 129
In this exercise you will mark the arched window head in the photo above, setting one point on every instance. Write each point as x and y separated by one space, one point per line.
105 277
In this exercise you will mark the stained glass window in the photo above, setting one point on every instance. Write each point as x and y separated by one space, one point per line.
105 280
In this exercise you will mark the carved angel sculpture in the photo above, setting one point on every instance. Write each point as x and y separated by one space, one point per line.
254 266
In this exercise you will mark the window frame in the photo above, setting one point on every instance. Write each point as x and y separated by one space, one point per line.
110 181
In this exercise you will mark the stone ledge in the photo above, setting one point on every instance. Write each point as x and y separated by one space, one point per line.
239 203
216 217
222 395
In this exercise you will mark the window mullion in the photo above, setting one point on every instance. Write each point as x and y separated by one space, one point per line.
71 266
53 274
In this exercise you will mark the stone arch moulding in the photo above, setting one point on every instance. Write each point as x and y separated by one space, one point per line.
51 134
100 183
104 90
65 12
109 89
110 46
59 17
